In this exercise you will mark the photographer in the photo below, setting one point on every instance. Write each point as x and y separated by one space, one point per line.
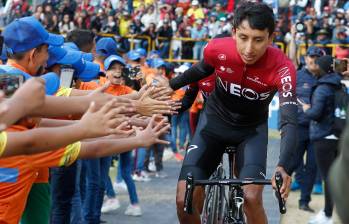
321 113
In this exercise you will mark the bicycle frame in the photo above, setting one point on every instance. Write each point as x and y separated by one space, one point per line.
234 213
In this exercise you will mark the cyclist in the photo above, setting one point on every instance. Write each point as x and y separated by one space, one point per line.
249 72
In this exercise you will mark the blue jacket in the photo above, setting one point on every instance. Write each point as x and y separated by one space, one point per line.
321 112
305 83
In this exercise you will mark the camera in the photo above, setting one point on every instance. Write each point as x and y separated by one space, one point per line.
10 83
132 72
300 27
340 65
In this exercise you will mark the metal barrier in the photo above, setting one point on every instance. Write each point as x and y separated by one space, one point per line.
131 39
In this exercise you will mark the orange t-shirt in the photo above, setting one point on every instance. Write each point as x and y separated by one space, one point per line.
178 94
18 173
116 90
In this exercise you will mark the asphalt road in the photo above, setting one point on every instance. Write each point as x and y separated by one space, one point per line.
157 197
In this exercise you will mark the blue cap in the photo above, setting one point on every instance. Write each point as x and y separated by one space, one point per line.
87 72
158 62
63 56
154 53
73 46
111 59
134 55
106 46
52 82
27 33
142 52
315 51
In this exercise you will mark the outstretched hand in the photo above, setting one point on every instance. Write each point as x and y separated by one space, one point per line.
152 133
104 121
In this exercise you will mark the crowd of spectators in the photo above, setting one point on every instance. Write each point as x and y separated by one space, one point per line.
324 22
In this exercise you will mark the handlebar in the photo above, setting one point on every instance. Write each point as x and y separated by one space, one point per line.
191 183
279 182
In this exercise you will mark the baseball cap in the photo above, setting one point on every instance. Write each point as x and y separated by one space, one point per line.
73 46
52 82
113 58
106 46
87 71
158 62
27 33
142 52
63 56
195 2
325 63
315 51
133 55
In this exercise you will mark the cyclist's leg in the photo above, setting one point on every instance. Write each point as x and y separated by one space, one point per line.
251 163
202 157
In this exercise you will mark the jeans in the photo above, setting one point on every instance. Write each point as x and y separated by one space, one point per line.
184 128
96 170
197 51
124 173
307 172
62 191
78 198
164 50
158 151
140 157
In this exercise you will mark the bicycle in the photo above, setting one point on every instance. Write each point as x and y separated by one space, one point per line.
217 207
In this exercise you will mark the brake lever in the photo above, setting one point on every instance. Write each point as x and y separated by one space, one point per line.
188 198
279 182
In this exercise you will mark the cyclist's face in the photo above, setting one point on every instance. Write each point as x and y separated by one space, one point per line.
251 43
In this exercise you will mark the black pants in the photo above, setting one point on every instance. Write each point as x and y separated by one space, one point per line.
326 152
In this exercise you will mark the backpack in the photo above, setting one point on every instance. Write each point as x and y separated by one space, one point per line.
341 99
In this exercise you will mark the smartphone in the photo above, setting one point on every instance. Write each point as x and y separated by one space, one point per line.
66 78
340 65
10 83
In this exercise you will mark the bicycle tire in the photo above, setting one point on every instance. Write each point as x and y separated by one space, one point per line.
212 209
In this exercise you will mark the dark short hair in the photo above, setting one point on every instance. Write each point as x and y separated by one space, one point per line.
82 38
20 55
259 16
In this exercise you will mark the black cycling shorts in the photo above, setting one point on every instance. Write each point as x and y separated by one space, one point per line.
211 138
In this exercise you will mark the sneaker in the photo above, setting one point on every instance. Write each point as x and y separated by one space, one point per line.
179 157
120 187
318 189
133 210
151 166
110 204
141 177
320 218
305 207
295 186
161 174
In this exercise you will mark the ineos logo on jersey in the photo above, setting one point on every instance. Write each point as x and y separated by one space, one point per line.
191 147
237 90
286 81
222 57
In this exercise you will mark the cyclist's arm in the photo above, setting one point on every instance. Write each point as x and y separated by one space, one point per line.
189 97
286 82
197 72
